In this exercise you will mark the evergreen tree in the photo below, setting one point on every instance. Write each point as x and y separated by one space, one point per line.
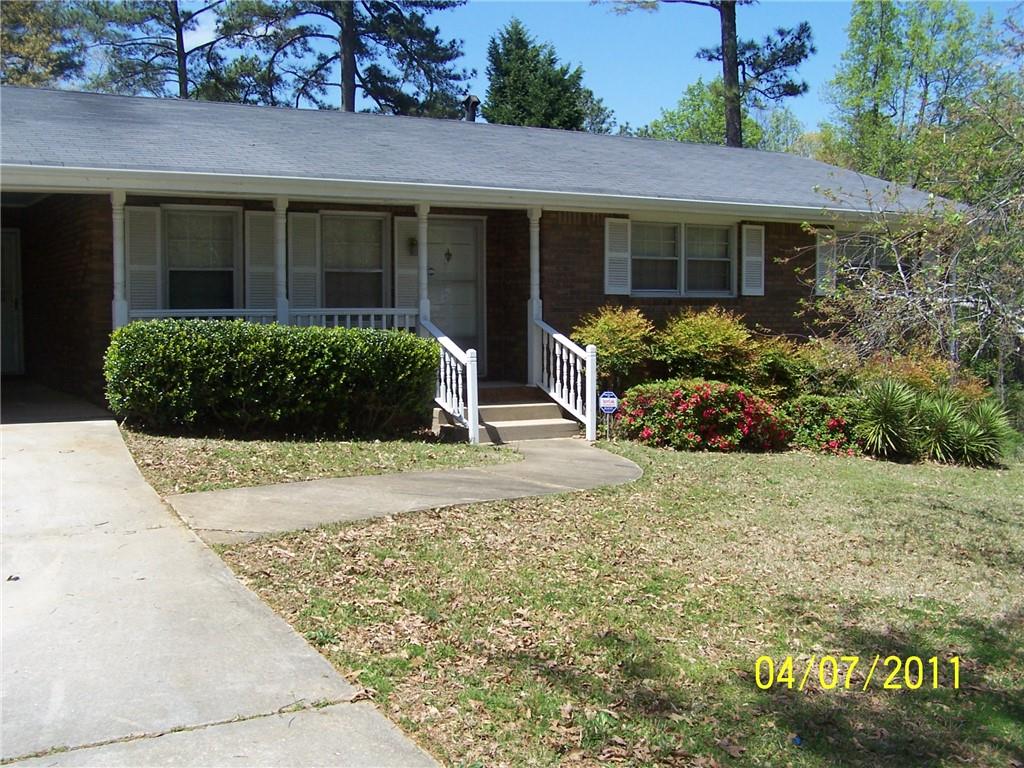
528 86
385 51
38 44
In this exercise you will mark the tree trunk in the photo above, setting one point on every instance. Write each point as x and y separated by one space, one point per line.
731 75
347 39
179 50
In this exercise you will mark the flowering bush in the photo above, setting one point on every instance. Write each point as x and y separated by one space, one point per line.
700 415
823 424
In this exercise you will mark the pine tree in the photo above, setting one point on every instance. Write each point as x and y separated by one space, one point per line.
528 86
38 44
384 51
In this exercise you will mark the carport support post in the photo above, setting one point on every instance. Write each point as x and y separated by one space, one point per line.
281 259
119 306
422 215
534 309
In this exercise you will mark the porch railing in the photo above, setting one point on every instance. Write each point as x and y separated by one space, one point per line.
252 315
568 373
457 382
401 318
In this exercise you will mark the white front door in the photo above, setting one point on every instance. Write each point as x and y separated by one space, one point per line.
12 346
455 283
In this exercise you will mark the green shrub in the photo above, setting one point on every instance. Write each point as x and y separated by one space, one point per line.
827 367
700 415
887 422
942 426
234 376
987 434
822 424
713 344
779 369
623 340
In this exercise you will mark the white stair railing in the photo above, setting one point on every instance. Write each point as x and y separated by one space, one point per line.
457 383
568 373
380 318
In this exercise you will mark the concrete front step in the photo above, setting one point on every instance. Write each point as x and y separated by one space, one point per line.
527 429
496 393
505 422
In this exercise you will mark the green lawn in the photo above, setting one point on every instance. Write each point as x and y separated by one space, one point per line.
185 464
623 625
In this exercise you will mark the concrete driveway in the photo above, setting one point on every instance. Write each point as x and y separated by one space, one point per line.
127 642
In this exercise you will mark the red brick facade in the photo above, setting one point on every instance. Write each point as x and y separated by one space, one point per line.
67 278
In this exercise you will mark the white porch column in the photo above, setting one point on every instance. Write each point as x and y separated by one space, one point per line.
422 214
281 259
534 309
119 306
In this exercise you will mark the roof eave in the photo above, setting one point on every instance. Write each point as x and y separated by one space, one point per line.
22 177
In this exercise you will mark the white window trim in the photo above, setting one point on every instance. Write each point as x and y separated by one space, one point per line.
733 229
238 267
656 292
386 271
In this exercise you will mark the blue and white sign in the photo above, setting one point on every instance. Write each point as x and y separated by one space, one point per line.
608 402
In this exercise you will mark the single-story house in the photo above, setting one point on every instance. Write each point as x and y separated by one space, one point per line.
494 238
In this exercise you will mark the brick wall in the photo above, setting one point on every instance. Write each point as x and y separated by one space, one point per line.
67 284
572 276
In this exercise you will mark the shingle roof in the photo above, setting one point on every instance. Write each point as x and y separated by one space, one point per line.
65 128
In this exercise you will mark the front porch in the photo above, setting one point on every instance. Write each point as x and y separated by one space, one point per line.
469 277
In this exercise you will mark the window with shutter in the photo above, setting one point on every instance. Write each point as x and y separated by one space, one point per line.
753 260
825 262
353 254
259 260
142 247
617 257
709 260
654 257
202 254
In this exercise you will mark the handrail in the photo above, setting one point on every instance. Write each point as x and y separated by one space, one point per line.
568 374
457 385
381 318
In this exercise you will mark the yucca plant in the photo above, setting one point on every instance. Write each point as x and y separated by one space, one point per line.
985 434
941 423
888 424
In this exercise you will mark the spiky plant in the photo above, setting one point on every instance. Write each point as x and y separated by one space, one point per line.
941 421
888 425
986 434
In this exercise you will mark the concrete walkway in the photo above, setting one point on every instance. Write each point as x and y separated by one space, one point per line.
127 642
548 466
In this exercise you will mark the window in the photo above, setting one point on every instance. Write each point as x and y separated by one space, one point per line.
848 253
353 260
655 257
202 251
709 259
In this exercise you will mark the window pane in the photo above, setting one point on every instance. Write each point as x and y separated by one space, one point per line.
207 289
707 242
200 238
353 289
655 275
705 275
654 240
352 242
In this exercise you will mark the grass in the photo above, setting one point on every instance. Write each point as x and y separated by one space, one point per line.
623 625
186 464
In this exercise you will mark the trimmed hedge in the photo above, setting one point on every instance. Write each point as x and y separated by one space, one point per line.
822 424
241 377
700 415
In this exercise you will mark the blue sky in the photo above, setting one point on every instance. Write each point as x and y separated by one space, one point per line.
640 62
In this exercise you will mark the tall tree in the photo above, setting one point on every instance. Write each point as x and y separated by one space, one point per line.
748 67
528 86
907 66
383 50
151 47
38 44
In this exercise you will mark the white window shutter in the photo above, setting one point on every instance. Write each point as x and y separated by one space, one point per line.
825 263
304 260
142 247
616 257
259 260
753 260
406 265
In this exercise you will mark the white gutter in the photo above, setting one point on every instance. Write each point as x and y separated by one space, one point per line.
35 178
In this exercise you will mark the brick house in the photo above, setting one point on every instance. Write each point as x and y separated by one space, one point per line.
493 238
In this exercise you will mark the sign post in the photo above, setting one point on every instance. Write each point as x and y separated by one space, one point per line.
608 402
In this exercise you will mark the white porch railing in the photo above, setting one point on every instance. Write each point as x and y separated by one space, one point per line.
568 373
401 318
252 315
457 384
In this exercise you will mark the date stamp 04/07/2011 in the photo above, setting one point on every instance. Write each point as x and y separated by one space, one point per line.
829 673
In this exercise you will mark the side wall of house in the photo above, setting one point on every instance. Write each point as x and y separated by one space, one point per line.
67 289
572 276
